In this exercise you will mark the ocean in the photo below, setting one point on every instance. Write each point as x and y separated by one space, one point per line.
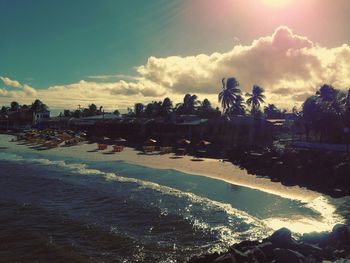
56 208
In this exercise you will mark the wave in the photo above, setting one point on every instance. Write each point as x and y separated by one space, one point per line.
259 228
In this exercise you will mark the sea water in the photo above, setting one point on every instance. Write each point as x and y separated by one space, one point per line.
56 208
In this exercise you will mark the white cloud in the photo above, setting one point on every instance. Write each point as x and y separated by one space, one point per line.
290 67
21 91
10 83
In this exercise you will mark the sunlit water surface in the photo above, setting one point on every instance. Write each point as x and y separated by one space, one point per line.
55 207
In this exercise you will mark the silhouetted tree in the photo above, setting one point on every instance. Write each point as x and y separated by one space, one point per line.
138 109
14 106
230 91
189 105
255 98
272 112
38 105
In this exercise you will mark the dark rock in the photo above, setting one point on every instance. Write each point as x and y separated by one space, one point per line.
245 245
281 238
226 258
341 233
239 255
204 258
307 250
267 248
319 239
288 256
256 254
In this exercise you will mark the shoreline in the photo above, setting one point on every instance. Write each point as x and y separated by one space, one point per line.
208 167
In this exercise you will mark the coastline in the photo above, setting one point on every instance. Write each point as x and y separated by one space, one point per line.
212 168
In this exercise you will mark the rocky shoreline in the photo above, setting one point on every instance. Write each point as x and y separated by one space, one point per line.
322 171
281 247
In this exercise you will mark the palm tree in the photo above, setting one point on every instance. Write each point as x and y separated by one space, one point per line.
167 106
238 107
189 105
230 91
255 98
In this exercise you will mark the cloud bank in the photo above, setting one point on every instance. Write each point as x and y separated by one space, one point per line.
290 67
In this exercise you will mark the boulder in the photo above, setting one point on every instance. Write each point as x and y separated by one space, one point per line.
266 248
307 250
288 256
281 238
245 245
239 255
341 233
256 255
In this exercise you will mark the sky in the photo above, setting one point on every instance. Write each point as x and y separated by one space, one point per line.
118 52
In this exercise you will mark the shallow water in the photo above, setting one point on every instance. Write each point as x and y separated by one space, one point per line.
57 207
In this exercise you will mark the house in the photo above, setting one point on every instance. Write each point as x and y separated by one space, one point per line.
22 118
40 116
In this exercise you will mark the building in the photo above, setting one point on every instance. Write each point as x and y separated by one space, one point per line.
40 116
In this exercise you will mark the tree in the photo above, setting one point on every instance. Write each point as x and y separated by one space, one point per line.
205 110
238 107
67 113
3 110
326 92
255 98
325 113
167 106
272 112
38 105
189 105
116 112
230 91
92 108
154 109
138 109
14 106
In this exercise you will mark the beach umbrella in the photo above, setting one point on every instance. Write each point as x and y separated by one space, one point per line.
184 141
203 143
151 141
120 140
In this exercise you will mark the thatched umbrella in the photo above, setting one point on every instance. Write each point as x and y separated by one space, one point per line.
120 140
150 142
184 142
203 143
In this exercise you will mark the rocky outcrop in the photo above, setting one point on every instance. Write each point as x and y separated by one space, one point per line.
281 247
325 172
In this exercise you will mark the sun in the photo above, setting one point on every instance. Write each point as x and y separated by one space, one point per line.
276 3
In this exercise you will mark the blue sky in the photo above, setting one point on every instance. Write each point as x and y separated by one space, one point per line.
53 42
118 52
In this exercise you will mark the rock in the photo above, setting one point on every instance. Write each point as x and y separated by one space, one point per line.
288 256
307 250
341 233
245 245
204 258
320 239
256 255
239 255
281 238
226 258
267 248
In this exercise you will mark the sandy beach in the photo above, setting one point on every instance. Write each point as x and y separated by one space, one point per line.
213 168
